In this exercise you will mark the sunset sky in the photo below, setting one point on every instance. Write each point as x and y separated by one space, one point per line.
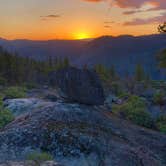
79 19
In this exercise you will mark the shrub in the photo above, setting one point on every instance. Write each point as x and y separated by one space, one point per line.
135 110
1 101
5 117
123 95
39 157
15 92
158 98
161 124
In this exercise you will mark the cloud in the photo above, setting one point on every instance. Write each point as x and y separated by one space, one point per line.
109 22
50 16
137 6
156 4
130 12
107 26
138 21
130 3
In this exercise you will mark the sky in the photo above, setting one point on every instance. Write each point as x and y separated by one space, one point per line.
79 19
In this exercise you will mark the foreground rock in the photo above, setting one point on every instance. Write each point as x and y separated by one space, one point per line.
21 106
76 85
30 163
78 135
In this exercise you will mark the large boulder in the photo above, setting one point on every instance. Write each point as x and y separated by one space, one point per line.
79 85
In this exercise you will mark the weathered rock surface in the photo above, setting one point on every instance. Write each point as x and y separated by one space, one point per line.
79 135
78 85
29 163
21 106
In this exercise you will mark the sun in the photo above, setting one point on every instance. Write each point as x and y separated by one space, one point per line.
81 35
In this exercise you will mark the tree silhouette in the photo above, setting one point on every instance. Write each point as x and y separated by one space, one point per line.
162 28
139 73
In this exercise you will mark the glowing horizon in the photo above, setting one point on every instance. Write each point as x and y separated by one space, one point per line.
79 19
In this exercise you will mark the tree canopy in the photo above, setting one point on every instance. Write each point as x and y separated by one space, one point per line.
161 57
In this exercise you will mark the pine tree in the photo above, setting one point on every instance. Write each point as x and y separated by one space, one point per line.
113 75
161 57
139 73
102 71
17 70
66 62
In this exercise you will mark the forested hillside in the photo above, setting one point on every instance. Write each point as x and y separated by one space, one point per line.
124 52
15 69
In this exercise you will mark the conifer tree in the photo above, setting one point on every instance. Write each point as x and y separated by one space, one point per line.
139 73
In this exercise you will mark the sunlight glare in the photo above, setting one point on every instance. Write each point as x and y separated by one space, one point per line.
81 35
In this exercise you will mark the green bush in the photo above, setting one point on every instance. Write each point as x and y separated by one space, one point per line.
5 117
158 98
135 110
1 101
39 157
15 92
123 95
161 124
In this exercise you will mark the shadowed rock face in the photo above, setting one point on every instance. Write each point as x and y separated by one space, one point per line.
78 135
82 86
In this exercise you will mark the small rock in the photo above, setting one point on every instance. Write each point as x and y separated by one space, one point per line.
112 99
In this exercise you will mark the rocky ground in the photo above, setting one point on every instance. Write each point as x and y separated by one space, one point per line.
77 132
79 135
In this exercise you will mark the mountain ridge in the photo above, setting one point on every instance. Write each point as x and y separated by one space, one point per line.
124 51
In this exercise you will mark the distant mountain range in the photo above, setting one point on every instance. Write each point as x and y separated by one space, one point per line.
124 52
